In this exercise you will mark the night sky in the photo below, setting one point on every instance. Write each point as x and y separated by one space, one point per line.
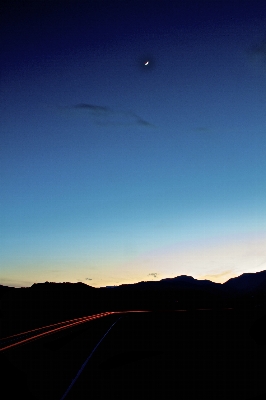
113 171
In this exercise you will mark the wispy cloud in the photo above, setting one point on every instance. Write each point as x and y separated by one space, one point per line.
259 49
216 276
257 53
93 108
262 263
154 274
106 116
15 282
201 129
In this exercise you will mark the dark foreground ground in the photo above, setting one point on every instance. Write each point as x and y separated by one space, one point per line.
184 355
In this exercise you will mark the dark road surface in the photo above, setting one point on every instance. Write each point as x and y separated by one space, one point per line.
183 355
35 334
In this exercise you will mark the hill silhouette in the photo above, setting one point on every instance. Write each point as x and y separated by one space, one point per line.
50 302
247 282
215 343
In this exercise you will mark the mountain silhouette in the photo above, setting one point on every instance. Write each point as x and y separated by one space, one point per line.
46 303
50 302
247 282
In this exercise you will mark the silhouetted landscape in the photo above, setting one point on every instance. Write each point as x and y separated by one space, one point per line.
44 303
132 146
182 347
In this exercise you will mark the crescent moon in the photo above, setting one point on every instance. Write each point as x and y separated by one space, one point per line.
146 63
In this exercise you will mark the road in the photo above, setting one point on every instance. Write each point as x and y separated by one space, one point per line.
39 364
34 334
179 355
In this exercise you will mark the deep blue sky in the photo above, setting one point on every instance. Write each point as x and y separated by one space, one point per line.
115 172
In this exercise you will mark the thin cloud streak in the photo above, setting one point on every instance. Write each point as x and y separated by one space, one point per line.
93 108
105 116
259 49
155 274
216 277
257 54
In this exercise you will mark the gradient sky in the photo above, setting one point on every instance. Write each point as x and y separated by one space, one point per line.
115 172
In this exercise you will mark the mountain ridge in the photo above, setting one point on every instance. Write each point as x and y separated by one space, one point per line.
49 302
244 282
